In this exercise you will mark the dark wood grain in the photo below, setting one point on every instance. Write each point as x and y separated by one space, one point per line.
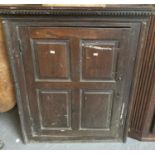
99 60
52 59
79 114
63 95
96 110
54 109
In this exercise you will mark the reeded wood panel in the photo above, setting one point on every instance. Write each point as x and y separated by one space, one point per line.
98 59
143 102
51 59
96 108
55 109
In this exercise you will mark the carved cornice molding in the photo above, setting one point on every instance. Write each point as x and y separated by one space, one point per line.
77 11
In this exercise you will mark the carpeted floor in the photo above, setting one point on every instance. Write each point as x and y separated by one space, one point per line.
11 139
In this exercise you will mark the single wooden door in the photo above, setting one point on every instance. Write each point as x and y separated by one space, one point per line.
77 81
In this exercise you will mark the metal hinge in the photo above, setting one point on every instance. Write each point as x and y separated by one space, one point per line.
19 46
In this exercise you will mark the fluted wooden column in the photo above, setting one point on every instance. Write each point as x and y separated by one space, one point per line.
144 96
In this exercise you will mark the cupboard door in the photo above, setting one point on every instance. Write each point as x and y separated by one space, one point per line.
76 81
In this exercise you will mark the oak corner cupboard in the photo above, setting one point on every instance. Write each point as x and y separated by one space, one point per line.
74 69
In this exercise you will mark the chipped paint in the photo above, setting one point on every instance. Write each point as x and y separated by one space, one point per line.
98 47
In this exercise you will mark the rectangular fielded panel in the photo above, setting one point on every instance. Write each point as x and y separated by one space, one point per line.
98 59
59 102
96 108
51 59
